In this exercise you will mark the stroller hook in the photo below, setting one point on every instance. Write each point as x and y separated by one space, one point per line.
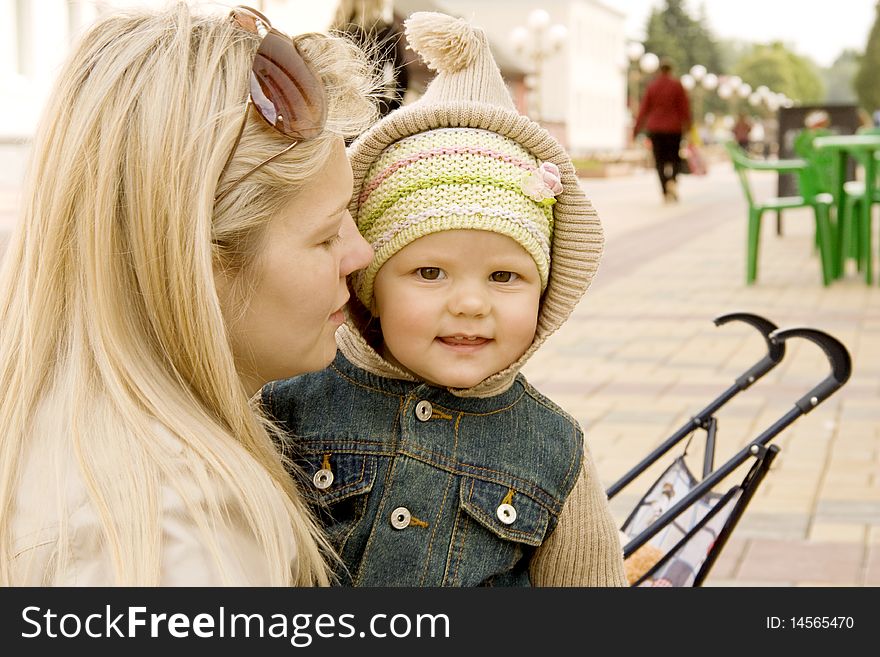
775 349
703 419
838 358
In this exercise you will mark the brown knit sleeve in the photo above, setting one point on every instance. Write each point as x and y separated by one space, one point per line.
584 549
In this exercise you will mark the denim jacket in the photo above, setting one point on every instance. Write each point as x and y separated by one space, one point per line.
420 487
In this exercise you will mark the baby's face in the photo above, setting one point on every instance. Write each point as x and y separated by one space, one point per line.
457 306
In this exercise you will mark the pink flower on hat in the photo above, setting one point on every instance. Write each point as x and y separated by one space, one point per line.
543 184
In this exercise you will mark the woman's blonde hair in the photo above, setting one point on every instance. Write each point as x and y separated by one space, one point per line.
111 331
365 13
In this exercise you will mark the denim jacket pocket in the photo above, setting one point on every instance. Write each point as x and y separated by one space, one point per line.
341 504
485 502
353 474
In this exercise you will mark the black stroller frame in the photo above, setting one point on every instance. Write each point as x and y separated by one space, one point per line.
759 449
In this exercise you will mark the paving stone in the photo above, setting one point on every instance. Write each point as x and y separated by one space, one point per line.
836 532
772 560
773 522
864 511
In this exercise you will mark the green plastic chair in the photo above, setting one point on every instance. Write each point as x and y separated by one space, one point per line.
851 229
822 177
810 196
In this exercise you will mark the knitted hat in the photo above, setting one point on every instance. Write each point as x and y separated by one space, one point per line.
463 157
456 178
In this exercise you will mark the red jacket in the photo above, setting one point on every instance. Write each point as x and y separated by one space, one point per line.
665 107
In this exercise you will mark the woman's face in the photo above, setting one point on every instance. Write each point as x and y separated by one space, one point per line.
287 324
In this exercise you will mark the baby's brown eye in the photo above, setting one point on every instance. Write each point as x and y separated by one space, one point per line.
429 273
502 276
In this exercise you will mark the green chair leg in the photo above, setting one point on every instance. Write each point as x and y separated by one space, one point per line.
850 232
864 224
827 248
753 239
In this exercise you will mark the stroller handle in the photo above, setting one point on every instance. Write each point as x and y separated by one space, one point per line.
775 353
775 349
838 358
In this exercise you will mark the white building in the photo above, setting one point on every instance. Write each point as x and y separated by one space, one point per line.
36 37
581 93
582 88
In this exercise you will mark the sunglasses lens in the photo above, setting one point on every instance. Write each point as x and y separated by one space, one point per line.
285 91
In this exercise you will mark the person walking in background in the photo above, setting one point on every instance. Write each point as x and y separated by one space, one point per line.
665 113
741 130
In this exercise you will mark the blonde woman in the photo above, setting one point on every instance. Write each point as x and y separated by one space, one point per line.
184 240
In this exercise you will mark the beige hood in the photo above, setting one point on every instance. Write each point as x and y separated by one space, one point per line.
468 91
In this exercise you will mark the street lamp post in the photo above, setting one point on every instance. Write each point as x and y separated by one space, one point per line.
729 90
648 62
698 73
710 82
634 52
537 41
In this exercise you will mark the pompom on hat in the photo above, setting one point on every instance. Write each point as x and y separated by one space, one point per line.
462 157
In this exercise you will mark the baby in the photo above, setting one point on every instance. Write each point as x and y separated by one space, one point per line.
433 461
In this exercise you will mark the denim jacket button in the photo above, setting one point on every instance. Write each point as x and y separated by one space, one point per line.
400 517
424 410
323 479
506 514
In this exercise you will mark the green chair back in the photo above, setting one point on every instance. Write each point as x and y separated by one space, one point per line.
820 177
740 166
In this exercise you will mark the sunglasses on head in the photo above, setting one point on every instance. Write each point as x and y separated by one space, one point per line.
284 90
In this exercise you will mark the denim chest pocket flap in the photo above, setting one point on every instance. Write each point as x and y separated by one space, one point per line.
484 501
353 474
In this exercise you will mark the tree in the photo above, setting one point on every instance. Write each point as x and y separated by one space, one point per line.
867 80
840 77
673 33
780 69
731 51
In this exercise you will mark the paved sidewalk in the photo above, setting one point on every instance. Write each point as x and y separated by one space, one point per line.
641 355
